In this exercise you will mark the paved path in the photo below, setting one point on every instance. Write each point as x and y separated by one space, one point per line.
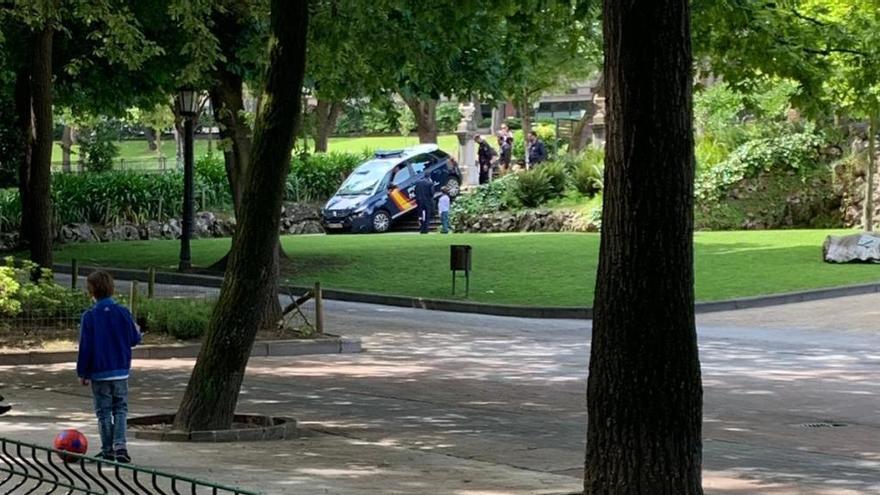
461 404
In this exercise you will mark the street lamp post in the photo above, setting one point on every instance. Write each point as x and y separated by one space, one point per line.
188 108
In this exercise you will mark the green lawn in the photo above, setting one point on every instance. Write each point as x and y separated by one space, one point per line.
530 269
135 153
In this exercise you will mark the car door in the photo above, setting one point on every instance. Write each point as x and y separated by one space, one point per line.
401 191
425 164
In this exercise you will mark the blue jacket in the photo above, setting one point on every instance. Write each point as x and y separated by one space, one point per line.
537 152
107 334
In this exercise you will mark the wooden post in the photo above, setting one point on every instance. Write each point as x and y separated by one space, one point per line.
132 301
151 283
74 273
319 309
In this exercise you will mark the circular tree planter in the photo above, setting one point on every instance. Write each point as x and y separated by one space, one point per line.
246 428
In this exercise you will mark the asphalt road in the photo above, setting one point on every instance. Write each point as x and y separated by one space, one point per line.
509 393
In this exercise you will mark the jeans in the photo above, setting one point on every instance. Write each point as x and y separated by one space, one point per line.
444 220
111 407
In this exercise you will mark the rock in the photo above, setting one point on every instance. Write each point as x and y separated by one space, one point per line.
78 232
852 248
124 232
150 230
312 227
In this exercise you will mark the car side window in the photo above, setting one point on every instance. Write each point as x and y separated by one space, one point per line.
402 176
420 162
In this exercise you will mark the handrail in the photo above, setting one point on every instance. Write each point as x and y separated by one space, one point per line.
28 468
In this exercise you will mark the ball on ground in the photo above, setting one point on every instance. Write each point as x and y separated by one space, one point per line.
71 441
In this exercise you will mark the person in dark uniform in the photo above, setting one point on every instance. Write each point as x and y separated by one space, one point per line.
425 202
485 154
537 151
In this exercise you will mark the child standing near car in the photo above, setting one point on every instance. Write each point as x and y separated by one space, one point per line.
443 207
107 334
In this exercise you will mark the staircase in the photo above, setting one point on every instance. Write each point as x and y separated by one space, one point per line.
410 223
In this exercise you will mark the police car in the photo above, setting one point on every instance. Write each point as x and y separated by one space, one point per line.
382 189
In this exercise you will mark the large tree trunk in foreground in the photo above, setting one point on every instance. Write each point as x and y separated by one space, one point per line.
24 123
227 101
326 114
425 112
644 397
39 195
212 393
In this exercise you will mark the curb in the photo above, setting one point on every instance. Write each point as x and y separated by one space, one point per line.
263 348
550 312
274 428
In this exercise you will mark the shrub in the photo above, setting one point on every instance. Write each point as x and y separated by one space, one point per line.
19 294
183 319
588 179
497 195
97 147
798 152
556 177
586 170
128 196
316 177
10 210
534 187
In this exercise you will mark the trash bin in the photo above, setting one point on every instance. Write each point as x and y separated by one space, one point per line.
460 261
460 258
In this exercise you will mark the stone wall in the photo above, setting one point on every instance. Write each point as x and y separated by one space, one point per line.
295 219
540 220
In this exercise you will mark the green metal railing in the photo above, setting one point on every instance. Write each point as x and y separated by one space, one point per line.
30 469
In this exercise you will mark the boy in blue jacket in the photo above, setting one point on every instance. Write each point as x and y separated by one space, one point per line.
107 334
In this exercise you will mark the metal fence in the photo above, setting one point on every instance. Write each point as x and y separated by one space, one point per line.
26 468
158 164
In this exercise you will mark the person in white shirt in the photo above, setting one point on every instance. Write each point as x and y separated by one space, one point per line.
443 208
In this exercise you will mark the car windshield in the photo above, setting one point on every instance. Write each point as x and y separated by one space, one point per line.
365 178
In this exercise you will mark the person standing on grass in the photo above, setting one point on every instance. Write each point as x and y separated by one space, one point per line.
425 202
443 207
107 334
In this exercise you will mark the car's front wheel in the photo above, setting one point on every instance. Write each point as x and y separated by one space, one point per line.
381 221
453 186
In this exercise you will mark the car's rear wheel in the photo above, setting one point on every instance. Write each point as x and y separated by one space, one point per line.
381 221
453 186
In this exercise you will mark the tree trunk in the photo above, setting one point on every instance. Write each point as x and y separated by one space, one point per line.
252 276
869 175
25 126
580 136
150 134
39 193
66 145
326 114
425 112
644 395
228 103
526 119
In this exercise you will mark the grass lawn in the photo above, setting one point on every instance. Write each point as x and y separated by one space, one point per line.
529 269
136 154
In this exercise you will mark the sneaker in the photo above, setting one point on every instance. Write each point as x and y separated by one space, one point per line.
107 456
122 456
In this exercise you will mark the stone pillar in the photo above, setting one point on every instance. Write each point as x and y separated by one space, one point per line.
598 126
467 159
